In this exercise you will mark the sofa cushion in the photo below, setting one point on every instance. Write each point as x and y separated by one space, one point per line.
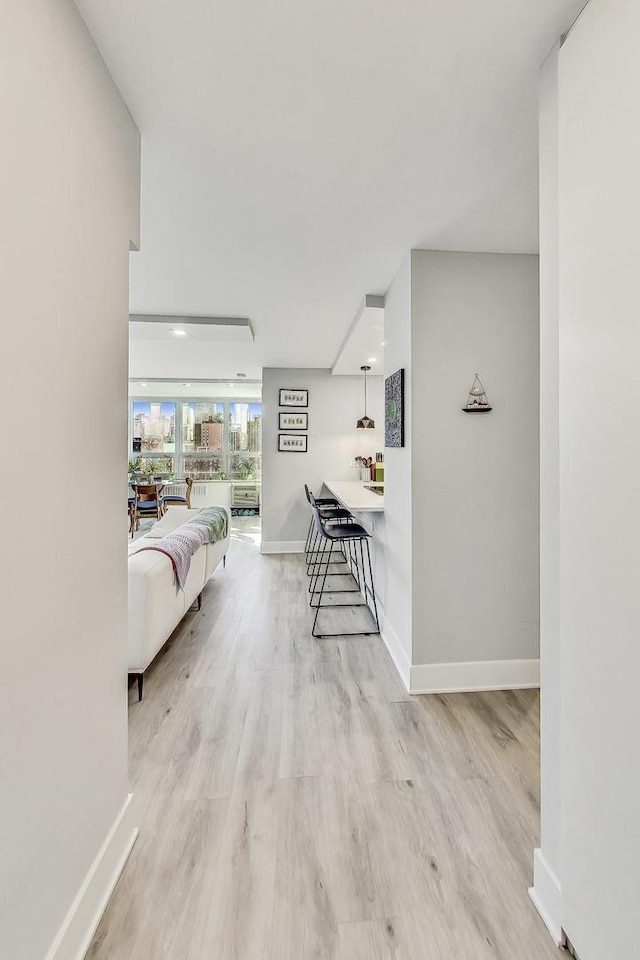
173 518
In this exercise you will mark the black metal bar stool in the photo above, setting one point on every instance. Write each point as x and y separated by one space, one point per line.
314 561
321 503
330 510
355 537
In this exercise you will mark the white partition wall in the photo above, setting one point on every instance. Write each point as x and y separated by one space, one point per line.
70 165
599 164
461 497
546 890
397 624
475 478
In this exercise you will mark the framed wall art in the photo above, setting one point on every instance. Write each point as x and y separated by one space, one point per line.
394 410
293 421
293 398
292 443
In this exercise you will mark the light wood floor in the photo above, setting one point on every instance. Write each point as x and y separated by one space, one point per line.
295 803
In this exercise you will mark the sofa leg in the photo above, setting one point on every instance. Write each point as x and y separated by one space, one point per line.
140 682
224 560
199 601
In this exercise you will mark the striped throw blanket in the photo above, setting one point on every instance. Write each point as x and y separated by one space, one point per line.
209 526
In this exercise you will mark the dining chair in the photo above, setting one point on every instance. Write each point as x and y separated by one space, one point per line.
147 502
171 498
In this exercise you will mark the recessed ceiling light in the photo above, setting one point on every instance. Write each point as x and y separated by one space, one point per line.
372 360
186 384
382 343
178 333
143 384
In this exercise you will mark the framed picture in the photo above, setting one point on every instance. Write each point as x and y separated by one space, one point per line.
394 410
293 398
293 421
292 443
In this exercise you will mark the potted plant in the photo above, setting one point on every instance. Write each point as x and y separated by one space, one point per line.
134 468
247 469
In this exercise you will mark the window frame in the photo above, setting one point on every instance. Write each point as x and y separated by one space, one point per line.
179 456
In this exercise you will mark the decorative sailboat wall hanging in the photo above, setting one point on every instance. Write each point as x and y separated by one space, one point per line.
477 402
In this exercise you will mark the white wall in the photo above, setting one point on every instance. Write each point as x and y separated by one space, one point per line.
475 478
397 625
600 478
70 181
547 869
335 404
461 498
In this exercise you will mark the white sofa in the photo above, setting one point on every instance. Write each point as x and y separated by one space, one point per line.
156 603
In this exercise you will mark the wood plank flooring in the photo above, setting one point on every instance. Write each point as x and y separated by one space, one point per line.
295 803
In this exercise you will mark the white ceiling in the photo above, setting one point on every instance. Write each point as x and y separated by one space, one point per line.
295 150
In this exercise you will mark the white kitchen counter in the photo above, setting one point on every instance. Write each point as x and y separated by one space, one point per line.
353 495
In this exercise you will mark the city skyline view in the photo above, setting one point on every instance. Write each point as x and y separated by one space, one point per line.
208 438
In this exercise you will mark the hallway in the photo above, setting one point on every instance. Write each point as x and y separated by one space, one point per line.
295 803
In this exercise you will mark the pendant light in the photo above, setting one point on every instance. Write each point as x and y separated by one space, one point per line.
365 423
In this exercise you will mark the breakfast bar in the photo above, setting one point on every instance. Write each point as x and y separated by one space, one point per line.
365 500
359 497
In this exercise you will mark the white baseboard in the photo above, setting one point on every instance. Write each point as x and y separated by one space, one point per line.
81 922
396 650
478 675
282 546
546 894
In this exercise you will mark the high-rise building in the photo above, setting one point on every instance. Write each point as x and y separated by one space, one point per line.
254 434
138 425
188 423
235 438
211 435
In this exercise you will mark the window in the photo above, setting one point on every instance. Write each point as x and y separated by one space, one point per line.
203 436
153 466
245 427
206 468
207 439
154 427
245 440
153 436
202 427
